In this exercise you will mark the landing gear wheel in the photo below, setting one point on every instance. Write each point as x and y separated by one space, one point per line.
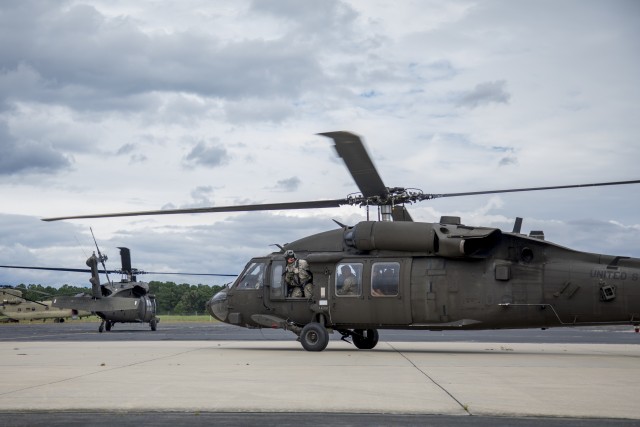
154 324
365 339
314 337
108 325
101 327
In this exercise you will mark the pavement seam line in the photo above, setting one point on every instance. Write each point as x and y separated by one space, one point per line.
98 372
464 407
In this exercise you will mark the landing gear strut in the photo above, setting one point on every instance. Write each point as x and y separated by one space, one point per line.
364 339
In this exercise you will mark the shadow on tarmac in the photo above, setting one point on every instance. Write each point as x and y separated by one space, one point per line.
286 419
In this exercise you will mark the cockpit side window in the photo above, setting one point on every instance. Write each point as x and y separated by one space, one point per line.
385 278
253 277
348 279
277 288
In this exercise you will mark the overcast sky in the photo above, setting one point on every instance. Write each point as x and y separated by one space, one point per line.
109 106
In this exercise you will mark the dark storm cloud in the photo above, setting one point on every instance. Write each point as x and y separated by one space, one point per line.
28 156
207 155
484 94
78 56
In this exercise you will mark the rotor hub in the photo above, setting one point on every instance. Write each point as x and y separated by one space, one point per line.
394 196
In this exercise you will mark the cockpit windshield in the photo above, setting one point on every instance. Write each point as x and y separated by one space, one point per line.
252 277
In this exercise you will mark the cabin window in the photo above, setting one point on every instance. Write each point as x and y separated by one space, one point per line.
349 279
276 279
385 278
253 277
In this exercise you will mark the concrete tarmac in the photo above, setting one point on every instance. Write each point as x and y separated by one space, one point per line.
453 379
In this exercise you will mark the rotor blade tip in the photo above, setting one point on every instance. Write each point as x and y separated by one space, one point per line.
337 134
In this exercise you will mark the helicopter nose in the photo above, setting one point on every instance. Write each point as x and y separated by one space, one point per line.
218 306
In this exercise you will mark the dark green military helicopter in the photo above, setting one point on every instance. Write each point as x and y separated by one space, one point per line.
415 275
124 301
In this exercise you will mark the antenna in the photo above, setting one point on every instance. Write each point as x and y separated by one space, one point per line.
75 236
101 257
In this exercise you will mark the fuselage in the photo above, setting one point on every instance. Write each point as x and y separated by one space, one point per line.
120 302
447 277
37 311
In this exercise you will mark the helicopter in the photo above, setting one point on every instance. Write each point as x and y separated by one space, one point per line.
407 274
14 307
126 301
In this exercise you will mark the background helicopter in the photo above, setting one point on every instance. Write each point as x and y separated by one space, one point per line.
15 307
415 275
126 301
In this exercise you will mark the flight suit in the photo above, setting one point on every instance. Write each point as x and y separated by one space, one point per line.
298 279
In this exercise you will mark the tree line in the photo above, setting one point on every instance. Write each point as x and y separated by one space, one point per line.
171 298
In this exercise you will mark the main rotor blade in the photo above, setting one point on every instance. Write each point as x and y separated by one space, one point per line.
135 272
317 204
190 274
75 270
515 190
359 163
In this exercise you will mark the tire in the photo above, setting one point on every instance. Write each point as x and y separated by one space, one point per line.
108 325
153 324
314 337
365 339
101 327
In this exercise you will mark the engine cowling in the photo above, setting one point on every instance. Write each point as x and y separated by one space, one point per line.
448 240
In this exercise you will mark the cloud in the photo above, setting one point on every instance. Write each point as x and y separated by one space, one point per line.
326 20
87 60
126 149
508 161
129 151
28 156
484 94
201 197
207 155
258 110
221 247
288 184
